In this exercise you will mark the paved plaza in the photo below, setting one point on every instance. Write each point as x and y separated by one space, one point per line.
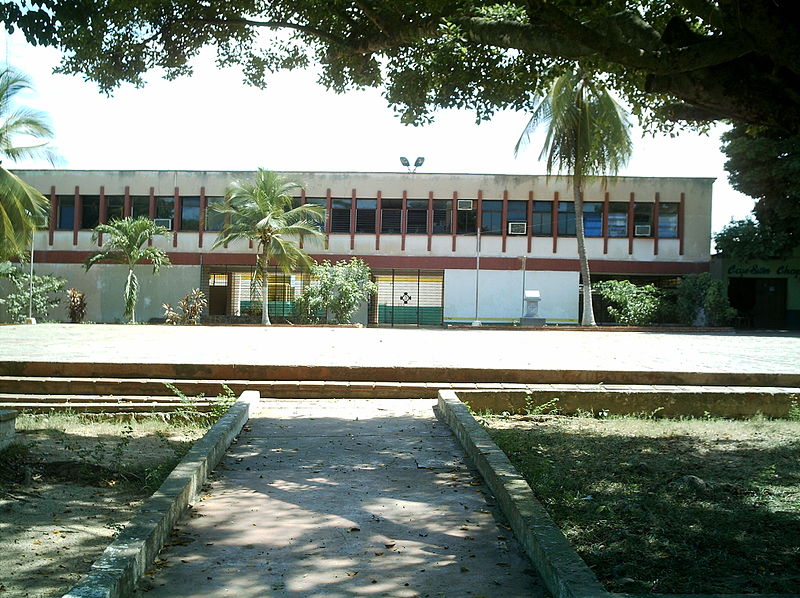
404 348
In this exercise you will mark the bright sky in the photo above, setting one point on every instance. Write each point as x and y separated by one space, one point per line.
212 121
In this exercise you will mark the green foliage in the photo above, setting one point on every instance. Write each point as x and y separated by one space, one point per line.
667 59
702 300
631 305
765 164
263 211
747 240
189 409
191 308
126 243
337 289
76 305
47 293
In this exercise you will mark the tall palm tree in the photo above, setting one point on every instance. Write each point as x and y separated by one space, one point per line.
588 133
262 211
125 244
22 208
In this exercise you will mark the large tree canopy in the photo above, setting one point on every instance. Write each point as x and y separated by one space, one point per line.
695 60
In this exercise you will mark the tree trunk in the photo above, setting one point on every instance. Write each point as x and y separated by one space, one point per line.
586 280
264 291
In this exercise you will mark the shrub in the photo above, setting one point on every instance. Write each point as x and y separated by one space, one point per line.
191 308
337 289
76 305
47 293
702 301
631 305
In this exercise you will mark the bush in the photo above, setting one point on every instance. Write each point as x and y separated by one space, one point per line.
76 305
47 293
631 305
336 289
702 301
191 308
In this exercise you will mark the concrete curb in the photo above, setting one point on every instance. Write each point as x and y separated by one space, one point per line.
563 572
119 568
8 419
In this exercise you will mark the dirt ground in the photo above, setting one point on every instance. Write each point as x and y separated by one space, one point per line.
67 486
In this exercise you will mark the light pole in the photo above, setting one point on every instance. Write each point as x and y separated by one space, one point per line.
476 322
417 163
31 319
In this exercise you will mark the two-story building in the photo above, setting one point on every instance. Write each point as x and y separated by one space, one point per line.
444 248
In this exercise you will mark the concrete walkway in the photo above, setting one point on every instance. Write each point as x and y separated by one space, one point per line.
344 498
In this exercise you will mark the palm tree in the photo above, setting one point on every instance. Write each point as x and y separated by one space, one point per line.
125 244
588 133
262 211
22 208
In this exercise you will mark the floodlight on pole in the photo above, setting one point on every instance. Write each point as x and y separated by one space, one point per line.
417 163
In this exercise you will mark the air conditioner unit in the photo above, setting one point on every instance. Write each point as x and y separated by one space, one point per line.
464 204
165 222
641 230
517 228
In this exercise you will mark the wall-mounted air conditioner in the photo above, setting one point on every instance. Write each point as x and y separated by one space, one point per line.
517 228
464 204
641 230
165 222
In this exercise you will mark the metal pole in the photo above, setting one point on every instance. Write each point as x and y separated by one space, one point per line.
30 283
477 322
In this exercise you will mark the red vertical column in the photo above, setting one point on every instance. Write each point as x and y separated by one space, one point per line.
103 216
77 214
479 214
504 220
378 220
529 228
454 223
430 220
681 209
328 216
403 221
554 224
53 215
656 210
300 241
201 227
630 224
151 210
353 202
126 203
177 216
605 222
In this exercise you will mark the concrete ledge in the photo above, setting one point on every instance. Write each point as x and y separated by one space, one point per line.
8 418
563 572
116 572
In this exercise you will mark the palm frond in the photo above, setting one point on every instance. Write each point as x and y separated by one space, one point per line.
22 209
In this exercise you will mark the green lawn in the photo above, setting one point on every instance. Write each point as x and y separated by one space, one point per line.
668 506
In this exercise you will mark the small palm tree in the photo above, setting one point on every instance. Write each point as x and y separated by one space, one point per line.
22 208
588 133
262 211
125 244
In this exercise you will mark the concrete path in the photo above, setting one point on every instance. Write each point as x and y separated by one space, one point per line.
344 498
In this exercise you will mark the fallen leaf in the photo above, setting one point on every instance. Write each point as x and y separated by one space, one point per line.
355 529
352 573
502 564
464 570
390 544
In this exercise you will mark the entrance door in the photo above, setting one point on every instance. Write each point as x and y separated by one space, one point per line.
761 302
408 298
218 294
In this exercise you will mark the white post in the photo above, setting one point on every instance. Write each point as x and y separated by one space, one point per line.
31 319
477 322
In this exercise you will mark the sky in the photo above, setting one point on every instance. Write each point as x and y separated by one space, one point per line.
213 121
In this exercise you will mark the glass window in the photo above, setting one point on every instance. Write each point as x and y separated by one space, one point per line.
643 219
115 207
365 215
66 212
618 219
566 218
340 215
417 216
190 213
140 206
668 220
542 218
90 214
492 217
391 216
215 221
517 211
165 207
467 221
593 219
319 201
442 216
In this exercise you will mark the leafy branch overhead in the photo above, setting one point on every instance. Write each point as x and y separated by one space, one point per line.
695 60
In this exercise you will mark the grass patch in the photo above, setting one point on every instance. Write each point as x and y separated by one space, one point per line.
668 506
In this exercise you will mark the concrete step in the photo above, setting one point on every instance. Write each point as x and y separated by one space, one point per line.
392 374
39 403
